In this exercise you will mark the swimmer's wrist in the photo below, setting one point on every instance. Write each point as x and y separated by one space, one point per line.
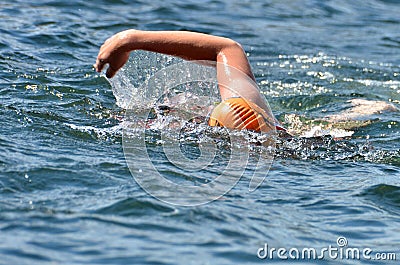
129 40
133 39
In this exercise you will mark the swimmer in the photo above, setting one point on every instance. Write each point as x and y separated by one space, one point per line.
241 108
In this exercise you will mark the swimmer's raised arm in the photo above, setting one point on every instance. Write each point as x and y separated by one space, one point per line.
187 45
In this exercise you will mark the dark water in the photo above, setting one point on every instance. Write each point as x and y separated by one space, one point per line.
66 193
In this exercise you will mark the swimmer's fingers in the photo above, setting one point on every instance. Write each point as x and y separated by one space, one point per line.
99 65
100 60
115 61
118 60
114 53
102 57
111 72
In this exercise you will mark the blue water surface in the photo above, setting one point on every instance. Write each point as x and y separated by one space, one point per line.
67 195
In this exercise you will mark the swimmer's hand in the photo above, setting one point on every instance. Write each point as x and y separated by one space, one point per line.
114 52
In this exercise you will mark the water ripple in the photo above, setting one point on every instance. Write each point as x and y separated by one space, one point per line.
66 193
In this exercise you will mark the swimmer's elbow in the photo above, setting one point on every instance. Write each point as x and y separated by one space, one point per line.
234 55
234 45
231 49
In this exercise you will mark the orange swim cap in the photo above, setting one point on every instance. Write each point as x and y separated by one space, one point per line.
236 113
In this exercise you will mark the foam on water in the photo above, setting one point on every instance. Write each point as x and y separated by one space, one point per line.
325 139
